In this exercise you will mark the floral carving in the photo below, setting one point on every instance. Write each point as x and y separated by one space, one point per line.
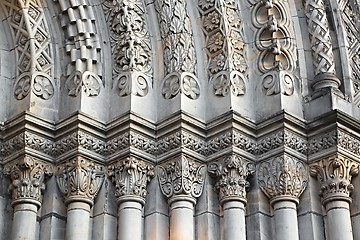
179 51
12 145
323 142
231 173
27 176
181 177
274 38
225 46
334 174
323 58
282 177
83 48
31 36
130 177
80 180
130 44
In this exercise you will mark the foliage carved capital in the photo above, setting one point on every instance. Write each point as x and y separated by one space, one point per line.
334 174
231 174
130 177
80 180
282 177
182 177
27 176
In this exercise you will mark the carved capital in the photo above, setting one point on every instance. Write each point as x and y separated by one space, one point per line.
130 177
334 174
282 177
27 176
231 173
182 177
80 180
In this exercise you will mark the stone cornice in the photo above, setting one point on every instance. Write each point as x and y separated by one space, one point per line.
231 174
130 177
27 176
282 178
181 177
80 180
334 174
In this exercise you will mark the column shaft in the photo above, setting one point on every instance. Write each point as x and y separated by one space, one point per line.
338 221
78 221
24 222
234 220
286 224
182 220
130 226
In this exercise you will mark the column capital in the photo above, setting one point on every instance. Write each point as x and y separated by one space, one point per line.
181 178
130 177
27 176
282 178
231 173
334 174
80 180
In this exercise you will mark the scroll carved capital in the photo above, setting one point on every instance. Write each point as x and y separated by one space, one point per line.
80 180
282 177
182 177
27 176
130 177
334 174
231 173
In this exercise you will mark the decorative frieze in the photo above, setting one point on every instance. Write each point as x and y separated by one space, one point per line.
27 176
130 45
334 174
80 180
274 38
32 46
231 173
84 69
225 46
282 177
182 177
130 177
179 50
321 46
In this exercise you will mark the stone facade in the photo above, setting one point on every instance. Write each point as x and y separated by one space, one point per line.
180 120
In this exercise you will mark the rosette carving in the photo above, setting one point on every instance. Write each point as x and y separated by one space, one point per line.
231 173
282 177
334 175
182 177
130 177
80 180
27 176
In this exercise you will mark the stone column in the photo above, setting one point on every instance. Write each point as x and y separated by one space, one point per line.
27 176
79 180
283 179
182 182
231 173
334 174
130 178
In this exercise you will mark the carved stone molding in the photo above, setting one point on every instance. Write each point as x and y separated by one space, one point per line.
130 44
274 39
182 177
80 180
179 50
231 173
225 46
334 174
27 176
130 177
32 42
282 178
323 57
83 48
